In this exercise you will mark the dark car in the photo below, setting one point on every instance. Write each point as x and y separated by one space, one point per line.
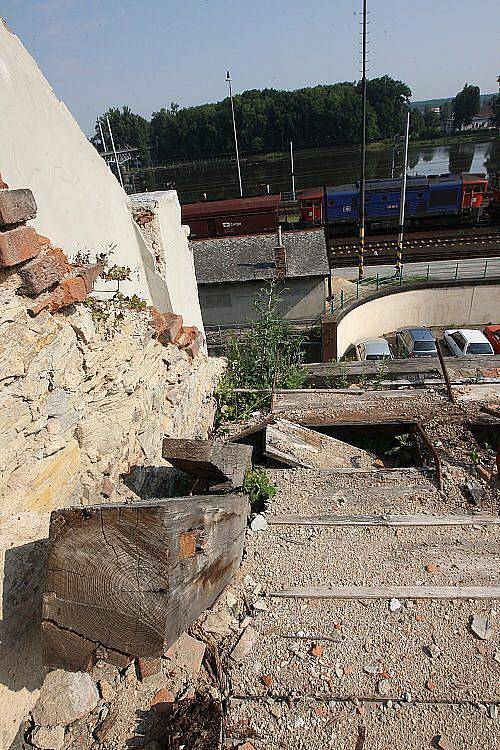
414 341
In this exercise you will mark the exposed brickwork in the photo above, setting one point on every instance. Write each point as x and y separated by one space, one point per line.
186 336
194 348
16 206
167 326
89 274
18 245
68 292
280 261
43 272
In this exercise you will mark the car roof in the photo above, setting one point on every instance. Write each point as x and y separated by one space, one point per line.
492 328
418 333
374 345
470 335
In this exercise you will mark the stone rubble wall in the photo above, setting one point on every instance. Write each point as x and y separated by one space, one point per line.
87 392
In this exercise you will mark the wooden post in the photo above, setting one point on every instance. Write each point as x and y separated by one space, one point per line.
130 579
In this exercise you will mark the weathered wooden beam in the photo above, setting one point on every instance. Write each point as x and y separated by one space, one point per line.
132 578
224 463
390 592
454 519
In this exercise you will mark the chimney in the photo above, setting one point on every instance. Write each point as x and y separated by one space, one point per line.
280 257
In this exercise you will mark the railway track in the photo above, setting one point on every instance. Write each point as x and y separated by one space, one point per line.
418 248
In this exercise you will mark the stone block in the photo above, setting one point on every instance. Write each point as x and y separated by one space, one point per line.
16 206
64 698
187 653
149 666
18 245
43 272
167 326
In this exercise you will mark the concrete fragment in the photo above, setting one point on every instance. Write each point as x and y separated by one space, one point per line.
394 605
219 623
259 523
481 627
444 744
371 668
64 698
187 653
106 690
18 245
245 644
16 206
48 738
260 605
433 651
384 687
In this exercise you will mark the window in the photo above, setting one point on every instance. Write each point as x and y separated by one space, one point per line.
459 340
424 346
468 188
479 349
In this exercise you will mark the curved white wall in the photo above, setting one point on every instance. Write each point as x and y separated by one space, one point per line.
446 306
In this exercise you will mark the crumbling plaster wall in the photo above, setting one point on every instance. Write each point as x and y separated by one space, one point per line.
83 402
81 206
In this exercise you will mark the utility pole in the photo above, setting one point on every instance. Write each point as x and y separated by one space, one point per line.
361 261
293 173
228 79
99 125
114 152
402 198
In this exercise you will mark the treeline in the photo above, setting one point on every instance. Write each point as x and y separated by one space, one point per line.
267 120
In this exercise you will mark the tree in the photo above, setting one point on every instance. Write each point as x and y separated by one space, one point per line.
495 103
446 111
465 105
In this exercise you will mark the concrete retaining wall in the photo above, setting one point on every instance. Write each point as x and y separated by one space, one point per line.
453 305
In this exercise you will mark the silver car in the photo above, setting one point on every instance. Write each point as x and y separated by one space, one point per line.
372 349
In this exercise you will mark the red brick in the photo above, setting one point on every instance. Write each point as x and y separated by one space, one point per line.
186 336
89 274
167 326
193 349
43 272
162 700
149 666
68 292
18 245
16 206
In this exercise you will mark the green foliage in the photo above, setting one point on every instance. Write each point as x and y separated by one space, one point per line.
465 105
117 273
136 303
341 380
270 355
266 119
258 488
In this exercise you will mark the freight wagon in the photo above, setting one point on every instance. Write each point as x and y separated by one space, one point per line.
451 199
232 217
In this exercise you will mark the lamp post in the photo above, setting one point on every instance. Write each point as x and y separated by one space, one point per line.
228 79
402 199
361 250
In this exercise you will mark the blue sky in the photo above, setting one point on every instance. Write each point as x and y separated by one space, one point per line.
148 53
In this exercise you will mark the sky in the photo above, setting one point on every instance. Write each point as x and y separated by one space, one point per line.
149 53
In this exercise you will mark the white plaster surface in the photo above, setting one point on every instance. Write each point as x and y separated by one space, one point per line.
451 307
176 253
81 206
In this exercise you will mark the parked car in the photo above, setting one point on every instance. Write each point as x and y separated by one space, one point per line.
415 341
464 341
372 349
492 333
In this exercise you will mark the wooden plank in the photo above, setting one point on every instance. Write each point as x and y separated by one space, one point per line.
290 444
390 592
435 455
133 577
293 519
206 459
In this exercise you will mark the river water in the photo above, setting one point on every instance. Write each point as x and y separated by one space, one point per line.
329 166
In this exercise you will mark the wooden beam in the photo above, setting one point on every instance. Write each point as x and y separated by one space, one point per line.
390 592
207 459
132 578
432 450
444 369
293 519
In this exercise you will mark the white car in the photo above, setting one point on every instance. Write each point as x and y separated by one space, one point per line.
372 349
463 342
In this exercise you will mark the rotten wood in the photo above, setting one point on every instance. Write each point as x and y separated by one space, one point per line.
258 427
223 463
132 578
293 519
389 592
435 455
446 376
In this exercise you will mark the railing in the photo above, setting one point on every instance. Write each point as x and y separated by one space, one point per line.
443 270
